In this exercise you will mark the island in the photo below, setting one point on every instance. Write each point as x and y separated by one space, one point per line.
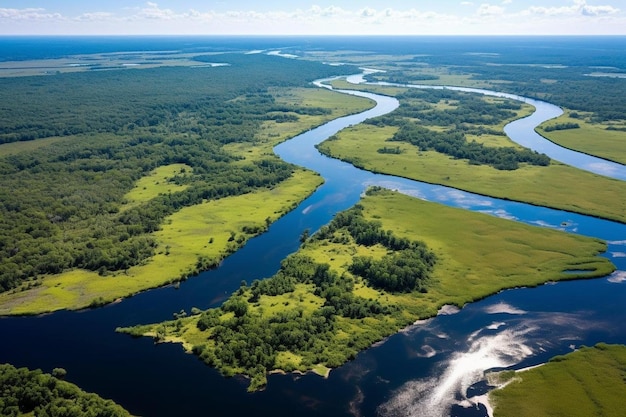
380 266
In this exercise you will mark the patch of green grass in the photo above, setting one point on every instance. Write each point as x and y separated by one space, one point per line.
587 382
13 148
272 132
590 138
558 185
157 182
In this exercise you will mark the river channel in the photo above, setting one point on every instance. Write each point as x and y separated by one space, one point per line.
428 370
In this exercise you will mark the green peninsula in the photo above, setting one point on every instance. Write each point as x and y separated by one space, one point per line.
376 268
587 382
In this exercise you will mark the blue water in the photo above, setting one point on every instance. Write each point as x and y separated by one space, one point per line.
428 370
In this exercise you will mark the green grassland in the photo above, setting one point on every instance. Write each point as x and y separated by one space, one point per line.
191 240
103 61
587 382
606 140
315 313
272 132
557 185
159 181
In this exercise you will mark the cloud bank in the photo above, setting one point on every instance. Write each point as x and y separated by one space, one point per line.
466 18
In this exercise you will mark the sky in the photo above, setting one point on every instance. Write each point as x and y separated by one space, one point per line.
322 17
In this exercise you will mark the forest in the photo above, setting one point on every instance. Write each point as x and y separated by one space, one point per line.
25 392
61 204
556 75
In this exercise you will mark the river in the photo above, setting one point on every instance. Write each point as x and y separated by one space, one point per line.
428 370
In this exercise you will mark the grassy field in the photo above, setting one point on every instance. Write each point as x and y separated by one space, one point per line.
13 148
477 255
587 382
558 185
201 231
158 182
102 61
590 138
272 132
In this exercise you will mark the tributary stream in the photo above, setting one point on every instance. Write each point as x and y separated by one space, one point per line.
428 370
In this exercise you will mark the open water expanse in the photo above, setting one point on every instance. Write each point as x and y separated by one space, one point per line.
431 369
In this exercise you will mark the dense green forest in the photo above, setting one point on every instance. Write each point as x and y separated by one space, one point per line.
247 336
562 78
463 114
60 205
25 392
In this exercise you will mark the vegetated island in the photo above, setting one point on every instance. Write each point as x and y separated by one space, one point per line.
34 393
587 382
119 181
376 268
456 139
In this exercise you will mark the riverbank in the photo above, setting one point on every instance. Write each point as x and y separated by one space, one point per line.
477 255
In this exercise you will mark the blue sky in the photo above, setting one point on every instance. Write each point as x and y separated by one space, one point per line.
322 17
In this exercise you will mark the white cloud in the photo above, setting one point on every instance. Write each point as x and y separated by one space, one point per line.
489 10
95 16
579 7
367 12
153 11
496 17
28 14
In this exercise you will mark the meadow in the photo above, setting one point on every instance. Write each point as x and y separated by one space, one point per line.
586 382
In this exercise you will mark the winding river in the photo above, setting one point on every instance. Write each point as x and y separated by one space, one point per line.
431 369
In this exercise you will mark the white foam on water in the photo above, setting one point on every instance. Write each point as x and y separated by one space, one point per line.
501 213
463 199
617 277
503 308
435 396
448 310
